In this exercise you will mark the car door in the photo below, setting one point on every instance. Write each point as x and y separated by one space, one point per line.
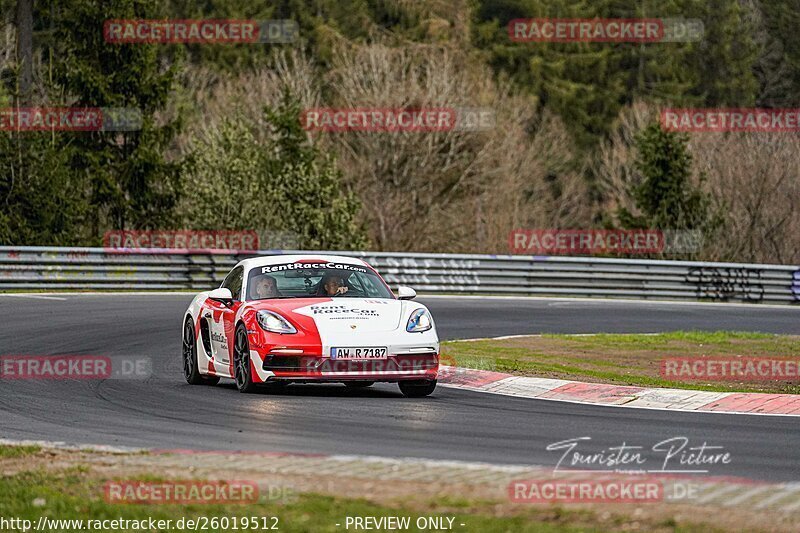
220 319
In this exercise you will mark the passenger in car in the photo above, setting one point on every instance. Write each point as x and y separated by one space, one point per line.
266 287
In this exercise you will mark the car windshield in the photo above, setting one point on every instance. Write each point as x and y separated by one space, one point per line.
315 280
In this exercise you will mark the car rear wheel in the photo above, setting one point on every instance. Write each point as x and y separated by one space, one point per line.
241 361
191 372
417 389
358 384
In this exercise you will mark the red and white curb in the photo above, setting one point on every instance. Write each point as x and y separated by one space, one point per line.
749 403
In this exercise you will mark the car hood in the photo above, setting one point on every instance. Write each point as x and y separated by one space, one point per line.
339 315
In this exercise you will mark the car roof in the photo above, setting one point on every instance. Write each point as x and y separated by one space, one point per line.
255 262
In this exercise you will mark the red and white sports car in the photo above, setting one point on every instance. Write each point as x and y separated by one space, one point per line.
309 318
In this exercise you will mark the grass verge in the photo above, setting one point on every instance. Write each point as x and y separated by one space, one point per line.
62 486
11 452
71 495
630 359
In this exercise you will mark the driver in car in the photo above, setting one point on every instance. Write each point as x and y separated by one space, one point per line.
266 287
334 285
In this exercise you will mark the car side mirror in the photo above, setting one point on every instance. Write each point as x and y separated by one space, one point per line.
406 293
221 295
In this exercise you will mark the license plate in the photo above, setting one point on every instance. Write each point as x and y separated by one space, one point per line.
359 353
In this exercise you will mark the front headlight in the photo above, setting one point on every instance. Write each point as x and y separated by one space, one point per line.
420 321
274 322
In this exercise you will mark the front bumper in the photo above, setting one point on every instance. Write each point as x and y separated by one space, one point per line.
396 367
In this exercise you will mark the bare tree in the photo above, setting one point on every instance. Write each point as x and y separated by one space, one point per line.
754 177
458 190
454 190
613 163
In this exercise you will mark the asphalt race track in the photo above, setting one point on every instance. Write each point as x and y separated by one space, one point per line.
165 412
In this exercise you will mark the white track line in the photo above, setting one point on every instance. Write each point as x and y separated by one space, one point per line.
33 296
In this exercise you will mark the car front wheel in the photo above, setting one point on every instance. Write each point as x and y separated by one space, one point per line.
241 361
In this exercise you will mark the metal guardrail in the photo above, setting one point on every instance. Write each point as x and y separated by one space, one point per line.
25 268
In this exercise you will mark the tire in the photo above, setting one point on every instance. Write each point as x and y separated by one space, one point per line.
417 389
358 384
241 361
191 372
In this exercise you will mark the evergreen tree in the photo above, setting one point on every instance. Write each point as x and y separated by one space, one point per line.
778 65
588 83
224 57
724 58
42 202
132 183
278 183
665 195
